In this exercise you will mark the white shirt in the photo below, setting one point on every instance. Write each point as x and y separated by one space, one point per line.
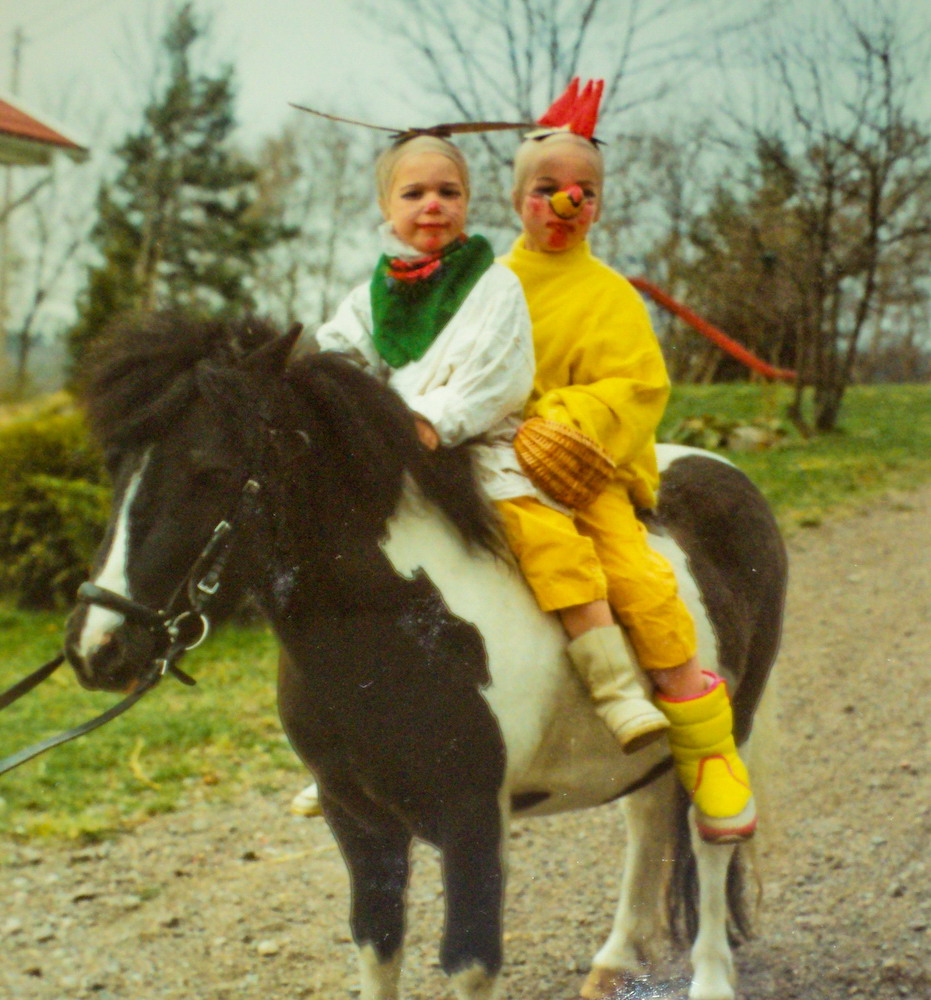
473 380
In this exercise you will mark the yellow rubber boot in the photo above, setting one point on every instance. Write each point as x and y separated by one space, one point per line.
701 737
619 691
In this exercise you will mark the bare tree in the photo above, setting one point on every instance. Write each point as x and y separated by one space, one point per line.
24 197
50 233
508 59
317 178
655 201
858 147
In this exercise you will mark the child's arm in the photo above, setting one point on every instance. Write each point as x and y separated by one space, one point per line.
619 384
493 371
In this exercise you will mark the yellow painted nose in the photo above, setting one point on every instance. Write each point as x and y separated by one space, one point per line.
567 204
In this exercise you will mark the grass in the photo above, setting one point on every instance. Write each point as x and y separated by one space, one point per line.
180 745
883 444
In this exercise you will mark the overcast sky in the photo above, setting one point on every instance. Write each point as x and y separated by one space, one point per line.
84 63
78 58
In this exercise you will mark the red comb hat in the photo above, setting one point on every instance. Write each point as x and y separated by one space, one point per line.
573 111
560 111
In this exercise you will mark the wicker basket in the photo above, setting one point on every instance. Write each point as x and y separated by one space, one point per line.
562 461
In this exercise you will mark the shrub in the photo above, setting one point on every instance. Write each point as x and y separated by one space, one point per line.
54 502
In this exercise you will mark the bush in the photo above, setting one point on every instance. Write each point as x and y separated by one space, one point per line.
54 503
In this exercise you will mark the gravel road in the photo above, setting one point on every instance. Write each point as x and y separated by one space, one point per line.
245 902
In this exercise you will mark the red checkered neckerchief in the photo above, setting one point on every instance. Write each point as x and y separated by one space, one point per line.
410 271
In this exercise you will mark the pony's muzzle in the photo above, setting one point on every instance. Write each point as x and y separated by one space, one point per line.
110 661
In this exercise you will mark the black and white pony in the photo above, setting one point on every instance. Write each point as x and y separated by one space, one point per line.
418 679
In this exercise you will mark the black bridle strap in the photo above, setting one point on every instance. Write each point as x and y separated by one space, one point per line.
139 614
14 760
202 584
28 683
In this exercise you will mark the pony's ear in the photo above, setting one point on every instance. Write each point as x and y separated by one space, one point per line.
273 356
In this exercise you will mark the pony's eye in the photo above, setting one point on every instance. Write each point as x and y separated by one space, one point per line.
212 476
207 472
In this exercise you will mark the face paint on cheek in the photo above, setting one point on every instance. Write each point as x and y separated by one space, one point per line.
537 205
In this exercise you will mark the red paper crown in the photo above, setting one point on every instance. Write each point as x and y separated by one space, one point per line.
575 112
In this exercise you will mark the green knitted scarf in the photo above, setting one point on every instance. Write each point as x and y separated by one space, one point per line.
413 300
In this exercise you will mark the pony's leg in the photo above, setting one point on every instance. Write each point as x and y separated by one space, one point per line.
473 848
713 976
638 923
377 855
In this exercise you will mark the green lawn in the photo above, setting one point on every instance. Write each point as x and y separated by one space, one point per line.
883 443
176 746
179 745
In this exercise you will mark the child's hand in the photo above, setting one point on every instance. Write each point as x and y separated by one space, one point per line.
428 436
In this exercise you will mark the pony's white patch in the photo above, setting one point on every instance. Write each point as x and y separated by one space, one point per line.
379 980
637 934
100 622
489 593
554 740
666 454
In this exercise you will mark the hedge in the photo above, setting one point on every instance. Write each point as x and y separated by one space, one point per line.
54 503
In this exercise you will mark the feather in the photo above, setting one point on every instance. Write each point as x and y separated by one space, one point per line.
440 131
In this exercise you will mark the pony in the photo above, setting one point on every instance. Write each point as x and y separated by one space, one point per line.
418 680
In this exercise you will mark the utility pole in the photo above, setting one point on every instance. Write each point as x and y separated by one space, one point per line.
5 263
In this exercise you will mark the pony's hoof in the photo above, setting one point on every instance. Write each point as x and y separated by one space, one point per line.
603 984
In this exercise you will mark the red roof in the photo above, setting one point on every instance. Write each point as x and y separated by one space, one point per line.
25 139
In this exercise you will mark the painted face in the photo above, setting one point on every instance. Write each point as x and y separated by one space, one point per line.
427 202
553 184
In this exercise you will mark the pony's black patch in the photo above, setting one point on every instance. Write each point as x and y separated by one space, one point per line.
372 443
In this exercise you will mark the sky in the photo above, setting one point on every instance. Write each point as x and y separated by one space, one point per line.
79 59
83 65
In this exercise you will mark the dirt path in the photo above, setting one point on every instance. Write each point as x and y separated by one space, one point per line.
248 903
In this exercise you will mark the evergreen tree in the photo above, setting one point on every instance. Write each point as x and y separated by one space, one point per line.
179 226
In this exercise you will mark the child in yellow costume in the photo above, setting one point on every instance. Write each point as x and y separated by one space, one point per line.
588 439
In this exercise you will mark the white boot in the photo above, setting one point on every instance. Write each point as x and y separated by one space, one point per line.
619 690
307 803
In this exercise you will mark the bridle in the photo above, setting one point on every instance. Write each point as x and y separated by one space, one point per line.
182 626
178 631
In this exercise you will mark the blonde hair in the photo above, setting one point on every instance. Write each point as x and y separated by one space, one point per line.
532 151
386 165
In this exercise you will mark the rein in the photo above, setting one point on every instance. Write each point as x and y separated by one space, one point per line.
177 632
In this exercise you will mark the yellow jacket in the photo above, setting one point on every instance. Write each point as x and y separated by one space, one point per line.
599 365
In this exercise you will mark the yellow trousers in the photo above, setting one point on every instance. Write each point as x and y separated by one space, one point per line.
602 552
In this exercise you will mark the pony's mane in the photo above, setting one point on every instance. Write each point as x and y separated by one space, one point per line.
378 442
141 375
146 373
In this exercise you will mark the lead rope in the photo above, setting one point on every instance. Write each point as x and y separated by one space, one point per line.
202 582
